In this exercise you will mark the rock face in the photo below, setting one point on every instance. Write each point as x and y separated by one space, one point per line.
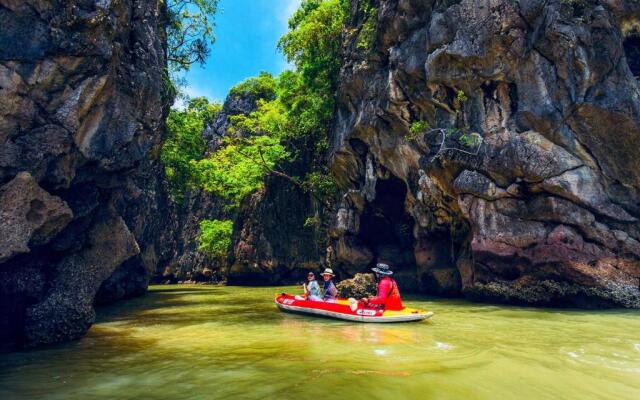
81 116
191 264
271 244
30 216
490 148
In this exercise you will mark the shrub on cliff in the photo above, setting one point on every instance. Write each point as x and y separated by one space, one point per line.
361 285
185 142
262 86
215 237
238 167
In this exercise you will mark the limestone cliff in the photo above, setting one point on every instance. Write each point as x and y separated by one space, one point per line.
271 244
490 148
81 116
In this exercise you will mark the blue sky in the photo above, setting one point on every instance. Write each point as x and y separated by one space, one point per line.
247 32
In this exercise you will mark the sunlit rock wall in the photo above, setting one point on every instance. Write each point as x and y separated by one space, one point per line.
544 207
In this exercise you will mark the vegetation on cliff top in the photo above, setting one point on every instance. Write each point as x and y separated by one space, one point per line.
286 136
185 143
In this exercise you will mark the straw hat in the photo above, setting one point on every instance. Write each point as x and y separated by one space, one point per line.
382 269
328 271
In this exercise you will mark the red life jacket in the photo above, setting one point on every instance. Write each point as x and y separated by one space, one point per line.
388 295
394 301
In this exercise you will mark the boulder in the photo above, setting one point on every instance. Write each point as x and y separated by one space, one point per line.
30 216
66 312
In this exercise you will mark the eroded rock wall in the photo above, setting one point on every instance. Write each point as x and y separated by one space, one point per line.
490 148
271 243
81 121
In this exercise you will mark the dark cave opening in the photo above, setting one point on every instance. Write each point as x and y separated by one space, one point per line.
385 227
632 52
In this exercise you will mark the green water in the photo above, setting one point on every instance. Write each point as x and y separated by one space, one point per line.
204 342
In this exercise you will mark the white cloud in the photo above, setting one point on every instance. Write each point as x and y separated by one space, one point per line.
287 9
190 92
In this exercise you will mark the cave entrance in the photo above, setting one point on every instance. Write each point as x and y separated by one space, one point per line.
632 52
386 228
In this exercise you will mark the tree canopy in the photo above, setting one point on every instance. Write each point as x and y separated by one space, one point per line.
286 135
189 25
185 143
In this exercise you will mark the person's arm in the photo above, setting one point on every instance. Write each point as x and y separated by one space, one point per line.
384 287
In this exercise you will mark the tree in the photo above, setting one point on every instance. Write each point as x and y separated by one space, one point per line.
238 168
215 237
313 42
185 143
189 25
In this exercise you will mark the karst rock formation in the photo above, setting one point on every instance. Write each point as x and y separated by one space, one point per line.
494 145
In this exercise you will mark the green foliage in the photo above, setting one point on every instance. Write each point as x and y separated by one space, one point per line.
322 184
306 97
215 237
417 128
262 86
313 43
461 96
238 168
367 35
290 124
470 140
189 25
312 222
185 143
459 101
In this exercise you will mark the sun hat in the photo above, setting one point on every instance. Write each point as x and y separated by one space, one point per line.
328 271
382 269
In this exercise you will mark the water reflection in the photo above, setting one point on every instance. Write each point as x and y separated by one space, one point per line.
193 342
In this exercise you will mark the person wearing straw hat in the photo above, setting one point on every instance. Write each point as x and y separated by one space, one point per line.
330 290
388 296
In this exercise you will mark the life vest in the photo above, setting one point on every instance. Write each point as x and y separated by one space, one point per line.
393 300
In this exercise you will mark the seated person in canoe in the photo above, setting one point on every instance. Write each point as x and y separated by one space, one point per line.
388 296
312 288
330 290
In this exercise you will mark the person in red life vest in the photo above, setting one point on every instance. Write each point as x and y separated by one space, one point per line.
388 296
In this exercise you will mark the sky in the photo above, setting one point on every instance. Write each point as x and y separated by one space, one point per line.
247 33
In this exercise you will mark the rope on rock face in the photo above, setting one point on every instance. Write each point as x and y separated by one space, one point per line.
444 148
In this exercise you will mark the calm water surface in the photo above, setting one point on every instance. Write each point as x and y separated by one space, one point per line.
201 342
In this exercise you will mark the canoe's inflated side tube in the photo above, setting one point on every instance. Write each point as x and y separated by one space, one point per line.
341 309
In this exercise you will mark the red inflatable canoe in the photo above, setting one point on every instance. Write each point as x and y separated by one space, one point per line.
344 309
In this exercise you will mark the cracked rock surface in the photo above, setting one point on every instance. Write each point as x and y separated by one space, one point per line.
81 191
543 208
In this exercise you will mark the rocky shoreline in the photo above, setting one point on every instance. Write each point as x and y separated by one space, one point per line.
487 149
